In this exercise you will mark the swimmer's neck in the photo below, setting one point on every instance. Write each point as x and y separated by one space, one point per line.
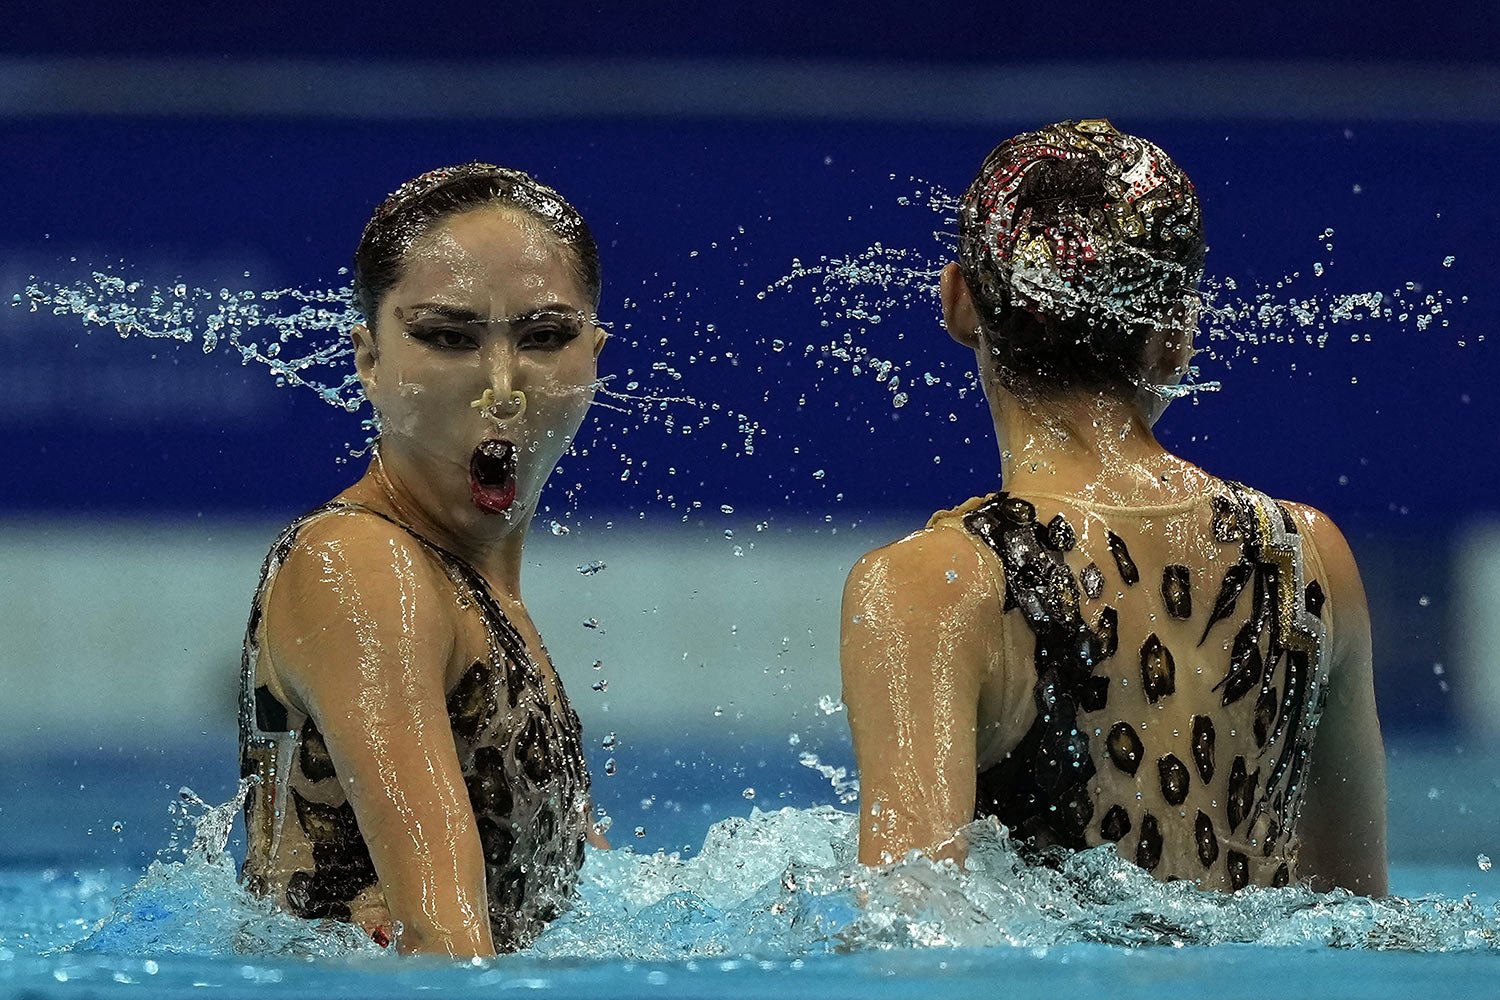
492 544
1086 445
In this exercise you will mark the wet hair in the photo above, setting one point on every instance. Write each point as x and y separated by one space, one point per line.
1080 244
423 202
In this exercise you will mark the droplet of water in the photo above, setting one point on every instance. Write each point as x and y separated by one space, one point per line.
950 576
611 768
1448 262
557 528
748 793
590 568
1484 862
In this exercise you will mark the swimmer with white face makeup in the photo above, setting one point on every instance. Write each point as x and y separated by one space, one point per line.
420 771
1115 647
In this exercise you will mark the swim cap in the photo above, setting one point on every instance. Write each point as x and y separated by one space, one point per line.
1081 221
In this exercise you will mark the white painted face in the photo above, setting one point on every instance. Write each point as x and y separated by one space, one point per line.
488 302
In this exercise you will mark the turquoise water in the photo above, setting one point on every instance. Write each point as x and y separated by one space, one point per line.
769 903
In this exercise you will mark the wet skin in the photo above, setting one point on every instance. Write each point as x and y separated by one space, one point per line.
362 631
929 675
487 301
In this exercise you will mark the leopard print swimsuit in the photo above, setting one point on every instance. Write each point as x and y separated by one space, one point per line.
519 747
1179 677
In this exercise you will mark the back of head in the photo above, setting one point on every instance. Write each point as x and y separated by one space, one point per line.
1082 247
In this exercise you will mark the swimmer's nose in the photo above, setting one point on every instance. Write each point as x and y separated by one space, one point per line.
502 400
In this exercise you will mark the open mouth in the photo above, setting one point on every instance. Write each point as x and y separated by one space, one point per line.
492 476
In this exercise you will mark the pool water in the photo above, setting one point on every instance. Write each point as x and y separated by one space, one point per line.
766 902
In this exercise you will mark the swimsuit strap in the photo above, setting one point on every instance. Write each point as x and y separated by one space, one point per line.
460 571
505 639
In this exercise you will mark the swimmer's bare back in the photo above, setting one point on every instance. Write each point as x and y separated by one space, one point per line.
421 773
1148 676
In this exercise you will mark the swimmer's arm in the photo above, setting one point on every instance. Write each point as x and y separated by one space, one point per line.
1343 814
360 637
913 652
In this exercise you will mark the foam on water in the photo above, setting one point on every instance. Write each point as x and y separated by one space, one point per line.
786 884
193 904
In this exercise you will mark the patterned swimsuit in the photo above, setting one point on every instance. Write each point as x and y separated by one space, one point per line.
520 751
1175 700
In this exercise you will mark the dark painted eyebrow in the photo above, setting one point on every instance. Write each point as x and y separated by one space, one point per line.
456 313
550 309
459 314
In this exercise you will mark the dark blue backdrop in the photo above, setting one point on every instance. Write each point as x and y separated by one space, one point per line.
967 30
115 426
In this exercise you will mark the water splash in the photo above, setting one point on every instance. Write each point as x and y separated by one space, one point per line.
896 287
786 883
300 335
1239 321
844 785
194 904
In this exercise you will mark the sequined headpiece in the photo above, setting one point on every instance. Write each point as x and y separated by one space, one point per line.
1114 258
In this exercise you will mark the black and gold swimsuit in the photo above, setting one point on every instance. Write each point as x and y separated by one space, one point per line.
519 747
1179 676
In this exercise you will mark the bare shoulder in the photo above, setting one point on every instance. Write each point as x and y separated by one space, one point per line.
1333 549
353 584
928 570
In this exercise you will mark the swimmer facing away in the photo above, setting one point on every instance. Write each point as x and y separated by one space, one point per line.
1115 647
420 770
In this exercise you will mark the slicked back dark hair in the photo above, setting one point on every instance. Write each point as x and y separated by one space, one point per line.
421 203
